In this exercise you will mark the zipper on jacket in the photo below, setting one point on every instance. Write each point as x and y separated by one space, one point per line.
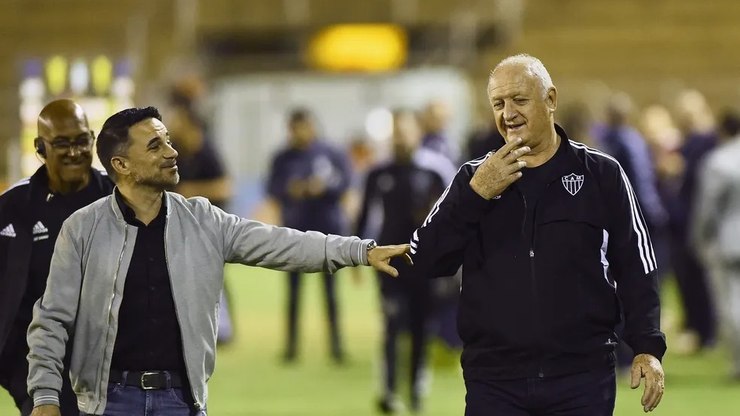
524 217
538 323
533 280
110 306
177 314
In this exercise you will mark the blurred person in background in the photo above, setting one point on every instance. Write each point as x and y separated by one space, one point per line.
137 277
716 229
201 170
696 123
577 118
439 153
549 255
620 140
664 140
307 180
434 119
31 215
361 156
617 138
397 196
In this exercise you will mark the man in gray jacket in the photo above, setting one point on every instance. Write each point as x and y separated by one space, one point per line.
716 229
136 278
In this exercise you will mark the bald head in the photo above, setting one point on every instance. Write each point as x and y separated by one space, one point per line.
64 142
60 115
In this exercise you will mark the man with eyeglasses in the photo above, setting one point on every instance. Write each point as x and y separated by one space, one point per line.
31 214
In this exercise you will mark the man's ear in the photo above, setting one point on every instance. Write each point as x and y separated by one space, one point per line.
551 100
38 143
120 165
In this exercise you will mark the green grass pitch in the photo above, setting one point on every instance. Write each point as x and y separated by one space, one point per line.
250 380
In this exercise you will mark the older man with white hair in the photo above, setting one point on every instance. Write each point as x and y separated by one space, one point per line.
555 255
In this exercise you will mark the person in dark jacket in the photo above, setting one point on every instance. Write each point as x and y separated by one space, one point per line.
307 180
553 247
398 194
31 214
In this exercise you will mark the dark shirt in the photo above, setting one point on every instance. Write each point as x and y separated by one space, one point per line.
148 331
323 212
205 164
532 185
398 197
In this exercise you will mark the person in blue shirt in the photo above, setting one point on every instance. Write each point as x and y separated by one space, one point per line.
307 180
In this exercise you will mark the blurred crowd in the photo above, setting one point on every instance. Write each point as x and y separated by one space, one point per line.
683 161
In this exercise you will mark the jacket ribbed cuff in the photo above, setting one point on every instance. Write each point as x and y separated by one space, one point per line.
359 252
45 396
654 346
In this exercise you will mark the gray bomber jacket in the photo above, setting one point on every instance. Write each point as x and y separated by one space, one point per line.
88 272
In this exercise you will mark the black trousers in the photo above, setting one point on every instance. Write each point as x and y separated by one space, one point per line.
694 287
294 289
406 306
591 393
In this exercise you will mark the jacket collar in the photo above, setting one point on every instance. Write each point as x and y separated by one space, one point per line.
565 157
39 182
115 206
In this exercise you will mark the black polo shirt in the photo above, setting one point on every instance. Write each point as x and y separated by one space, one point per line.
148 331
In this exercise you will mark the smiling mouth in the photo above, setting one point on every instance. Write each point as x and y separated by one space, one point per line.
73 163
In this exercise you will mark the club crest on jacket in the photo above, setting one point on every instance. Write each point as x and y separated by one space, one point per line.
572 183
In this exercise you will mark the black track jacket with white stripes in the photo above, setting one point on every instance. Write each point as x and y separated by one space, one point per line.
546 303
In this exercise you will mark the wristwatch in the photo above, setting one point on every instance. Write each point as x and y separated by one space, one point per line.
371 245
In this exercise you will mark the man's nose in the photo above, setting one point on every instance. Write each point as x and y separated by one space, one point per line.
509 111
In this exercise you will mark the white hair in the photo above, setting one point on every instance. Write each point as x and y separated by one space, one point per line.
532 65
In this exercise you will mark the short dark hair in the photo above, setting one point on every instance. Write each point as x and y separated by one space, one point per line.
298 115
730 123
113 139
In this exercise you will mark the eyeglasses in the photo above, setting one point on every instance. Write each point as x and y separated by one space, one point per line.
81 143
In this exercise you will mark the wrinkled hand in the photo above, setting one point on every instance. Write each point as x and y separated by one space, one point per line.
648 367
380 256
46 410
500 170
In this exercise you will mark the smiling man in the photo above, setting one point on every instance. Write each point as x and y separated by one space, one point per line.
136 278
555 254
31 215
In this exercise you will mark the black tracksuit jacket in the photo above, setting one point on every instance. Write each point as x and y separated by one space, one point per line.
546 302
